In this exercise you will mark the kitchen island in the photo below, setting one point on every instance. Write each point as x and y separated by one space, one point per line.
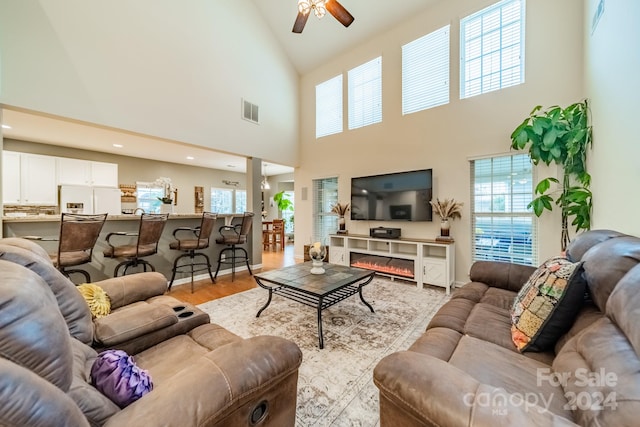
48 227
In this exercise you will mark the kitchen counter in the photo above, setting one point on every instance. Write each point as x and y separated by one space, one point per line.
48 227
123 217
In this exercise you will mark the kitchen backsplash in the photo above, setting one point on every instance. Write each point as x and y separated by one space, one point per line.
20 210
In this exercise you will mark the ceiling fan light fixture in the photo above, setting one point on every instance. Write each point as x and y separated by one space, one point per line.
318 7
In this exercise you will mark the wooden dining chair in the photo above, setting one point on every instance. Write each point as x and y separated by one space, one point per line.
275 235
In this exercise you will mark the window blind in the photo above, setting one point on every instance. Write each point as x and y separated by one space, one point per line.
365 94
325 195
492 48
329 107
221 200
240 201
425 72
503 228
148 194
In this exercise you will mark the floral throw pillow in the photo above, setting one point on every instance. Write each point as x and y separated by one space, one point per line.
97 299
547 304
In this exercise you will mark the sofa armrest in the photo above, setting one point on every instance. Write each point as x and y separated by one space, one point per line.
502 275
132 322
224 387
132 288
419 390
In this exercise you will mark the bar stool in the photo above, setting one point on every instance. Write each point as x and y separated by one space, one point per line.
148 236
198 238
78 236
233 235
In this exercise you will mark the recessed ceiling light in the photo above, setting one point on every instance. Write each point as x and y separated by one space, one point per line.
6 127
118 145
190 157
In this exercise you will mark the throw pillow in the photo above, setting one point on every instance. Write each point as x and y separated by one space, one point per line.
97 299
115 374
547 304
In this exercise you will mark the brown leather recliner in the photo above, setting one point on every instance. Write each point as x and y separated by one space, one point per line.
205 377
466 371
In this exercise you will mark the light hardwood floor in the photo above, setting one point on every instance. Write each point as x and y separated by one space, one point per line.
205 291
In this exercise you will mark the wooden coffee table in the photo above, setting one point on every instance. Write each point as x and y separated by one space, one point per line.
316 290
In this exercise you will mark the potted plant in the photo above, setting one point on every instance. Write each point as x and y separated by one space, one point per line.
561 136
341 210
283 203
446 210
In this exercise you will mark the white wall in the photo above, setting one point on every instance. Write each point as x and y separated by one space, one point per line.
443 138
175 70
612 64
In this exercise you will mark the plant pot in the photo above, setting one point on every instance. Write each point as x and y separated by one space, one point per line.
341 223
166 208
444 227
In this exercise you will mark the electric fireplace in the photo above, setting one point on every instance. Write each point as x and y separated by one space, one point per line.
383 264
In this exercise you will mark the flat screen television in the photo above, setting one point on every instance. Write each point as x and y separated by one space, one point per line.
401 196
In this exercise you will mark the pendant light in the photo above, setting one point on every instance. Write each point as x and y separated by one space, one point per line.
264 184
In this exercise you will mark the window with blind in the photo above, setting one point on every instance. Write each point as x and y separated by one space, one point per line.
240 199
221 200
325 195
148 194
492 48
329 107
503 228
365 94
425 72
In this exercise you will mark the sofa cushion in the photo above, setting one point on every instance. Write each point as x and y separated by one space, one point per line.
94 405
507 369
606 263
547 304
132 321
600 372
33 333
70 303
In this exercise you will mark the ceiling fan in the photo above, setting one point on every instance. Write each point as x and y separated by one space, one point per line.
320 8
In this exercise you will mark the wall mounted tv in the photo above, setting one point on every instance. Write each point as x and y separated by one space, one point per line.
402 196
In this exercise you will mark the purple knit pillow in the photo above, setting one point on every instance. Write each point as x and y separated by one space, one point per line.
115 374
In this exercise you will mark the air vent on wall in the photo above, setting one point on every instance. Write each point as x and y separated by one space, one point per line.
250 111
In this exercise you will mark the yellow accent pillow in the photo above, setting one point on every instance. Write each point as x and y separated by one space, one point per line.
97 299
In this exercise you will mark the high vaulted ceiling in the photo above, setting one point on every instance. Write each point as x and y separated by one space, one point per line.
320 40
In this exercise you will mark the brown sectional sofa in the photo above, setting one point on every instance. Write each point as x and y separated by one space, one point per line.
466 371
203 375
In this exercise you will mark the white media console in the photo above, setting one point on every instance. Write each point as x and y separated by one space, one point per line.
417 260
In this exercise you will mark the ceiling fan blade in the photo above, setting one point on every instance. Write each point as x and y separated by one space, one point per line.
301 20
339 12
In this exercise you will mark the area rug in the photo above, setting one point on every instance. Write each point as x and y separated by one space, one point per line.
335 384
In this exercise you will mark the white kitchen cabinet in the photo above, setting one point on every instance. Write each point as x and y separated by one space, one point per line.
86 172
11 178
104 174
73 171
28 179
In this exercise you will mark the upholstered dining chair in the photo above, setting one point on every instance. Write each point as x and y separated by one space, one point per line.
78 236
232 236
146 244
192 239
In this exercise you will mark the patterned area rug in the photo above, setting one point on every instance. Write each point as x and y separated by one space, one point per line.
335 385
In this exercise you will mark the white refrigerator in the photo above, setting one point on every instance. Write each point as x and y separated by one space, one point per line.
89 200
